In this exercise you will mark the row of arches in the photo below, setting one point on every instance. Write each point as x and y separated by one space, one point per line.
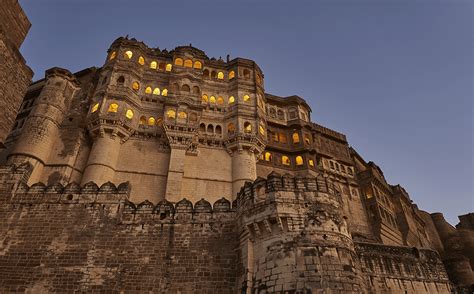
163 66
282 138
185 88
210 129
286 160
151 121
148 90
188 63
220 100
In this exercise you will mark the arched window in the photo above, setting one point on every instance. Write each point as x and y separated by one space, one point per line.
164 92
148 90
185 88
202 127
120 81
153 65
128 54
299 160
113 107
282 138
212 99
296 138
231 75
220 100
280 114
218 130
151 121
182 115
213 74
268 156
311 162
188 63
141 60
113 55
205 73
246 98
95 107
156 91
197 65
178 61
261 129
171 114
246 73
307 139
220 75
247 127
142 120
129 114
196 90
159 121
169 66
204 98
136 86
210 128
231 99
285 160
230 128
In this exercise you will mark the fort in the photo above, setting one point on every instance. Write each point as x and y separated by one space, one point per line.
173 172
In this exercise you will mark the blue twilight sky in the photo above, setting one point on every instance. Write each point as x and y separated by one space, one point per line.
395 76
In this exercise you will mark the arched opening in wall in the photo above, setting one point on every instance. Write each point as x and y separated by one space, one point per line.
113 107
246 98
205 73
113 55
162 66
204 98
282 138
197 65
218 130
121 80
299 160
247 127
231 99
261 130
182 115
311 162
213 74
185 88
246 73
272 112
95 107
230 128
171 114
156 91
210 128
129 114
148 90
281 114
169 67
196 90
285 160
178 61
151 121
268 156
231 75
159 121
164 92
220 101
142 120
128 54
202 127
141 60
220 75
296 138
292 114
153 65
307 140
212 99
188 63
136 86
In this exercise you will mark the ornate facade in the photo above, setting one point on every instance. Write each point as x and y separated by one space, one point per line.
295 207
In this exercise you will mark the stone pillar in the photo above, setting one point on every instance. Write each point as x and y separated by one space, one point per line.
102 160
244 169
175 174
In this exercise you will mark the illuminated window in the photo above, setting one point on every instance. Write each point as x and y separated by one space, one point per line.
148 90
113 107
136 86
197 65
205 73
247 127
156 91
246 98
112 55
182 114
220 100
231 75
296 138
212 99
311 162
141 60
188 63
151 121
246 73
268 156
142 120
261 129
171 113
204 98
231 99
95 108
220 75
129 114
178 61
159 121
169 66
153 65
164 92
230 128
185 88
285 160
299 160
128 54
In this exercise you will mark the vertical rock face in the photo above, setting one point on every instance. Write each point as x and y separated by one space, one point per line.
15 75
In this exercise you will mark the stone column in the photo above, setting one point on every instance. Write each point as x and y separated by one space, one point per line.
244 169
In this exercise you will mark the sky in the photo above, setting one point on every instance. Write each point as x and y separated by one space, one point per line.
395 76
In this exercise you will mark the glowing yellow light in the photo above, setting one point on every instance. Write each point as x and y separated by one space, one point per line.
311 162
153 65
141 60
230 128
95 108
247 127
204 98
112 55
182 114
231 99
142 120
231 75
285 160
156 91
129 114
220 75
261 130
178 61
135 86
212 99
148 90
164 92
113 107
246 98
188 63
151 121
299 160
171 113
296 138
169 67
128 54
220 100
197 65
